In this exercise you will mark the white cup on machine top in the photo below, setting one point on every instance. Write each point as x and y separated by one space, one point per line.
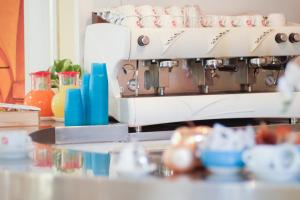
166 21
276 19
174 11
191 16
145 10
260 21
193 22
149 22
179 21
158 10
114 17
225 21
246 21
191 11
211 21
177 14
131 21
243 21
126 10
105 12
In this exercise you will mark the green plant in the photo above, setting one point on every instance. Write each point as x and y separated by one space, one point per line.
62 66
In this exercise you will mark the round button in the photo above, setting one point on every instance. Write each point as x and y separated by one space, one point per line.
294 37
281 37
143 40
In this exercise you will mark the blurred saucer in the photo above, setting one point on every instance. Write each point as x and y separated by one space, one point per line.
15 153
16 165
137 172
225 171
275 176
225 178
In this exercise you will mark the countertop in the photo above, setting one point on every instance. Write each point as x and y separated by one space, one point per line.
32 182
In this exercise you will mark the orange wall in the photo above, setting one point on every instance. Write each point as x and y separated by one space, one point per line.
11 50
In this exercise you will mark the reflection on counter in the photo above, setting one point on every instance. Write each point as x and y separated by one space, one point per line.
59 161
64 161
55 160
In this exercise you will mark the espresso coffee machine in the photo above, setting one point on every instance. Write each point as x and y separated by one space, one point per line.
165 75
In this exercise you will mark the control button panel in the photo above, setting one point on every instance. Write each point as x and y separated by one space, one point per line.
143 40
281 37
294 37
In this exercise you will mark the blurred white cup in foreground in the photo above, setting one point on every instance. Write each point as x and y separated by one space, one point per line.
276 19
14 144
265 161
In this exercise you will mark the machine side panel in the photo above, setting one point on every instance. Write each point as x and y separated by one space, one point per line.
141 111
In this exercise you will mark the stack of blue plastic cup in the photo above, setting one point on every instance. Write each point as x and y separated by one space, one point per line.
98 95
85 97
74 112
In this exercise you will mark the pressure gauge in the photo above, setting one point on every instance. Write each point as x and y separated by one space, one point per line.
132 85
270 80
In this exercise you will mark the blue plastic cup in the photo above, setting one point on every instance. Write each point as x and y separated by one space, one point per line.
74 113
98 69
100 164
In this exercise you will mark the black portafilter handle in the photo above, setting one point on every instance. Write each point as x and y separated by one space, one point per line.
228 68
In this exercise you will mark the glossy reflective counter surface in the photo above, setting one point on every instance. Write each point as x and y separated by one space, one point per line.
58 173
62 172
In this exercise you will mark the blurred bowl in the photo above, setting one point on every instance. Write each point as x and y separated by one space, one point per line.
222 162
